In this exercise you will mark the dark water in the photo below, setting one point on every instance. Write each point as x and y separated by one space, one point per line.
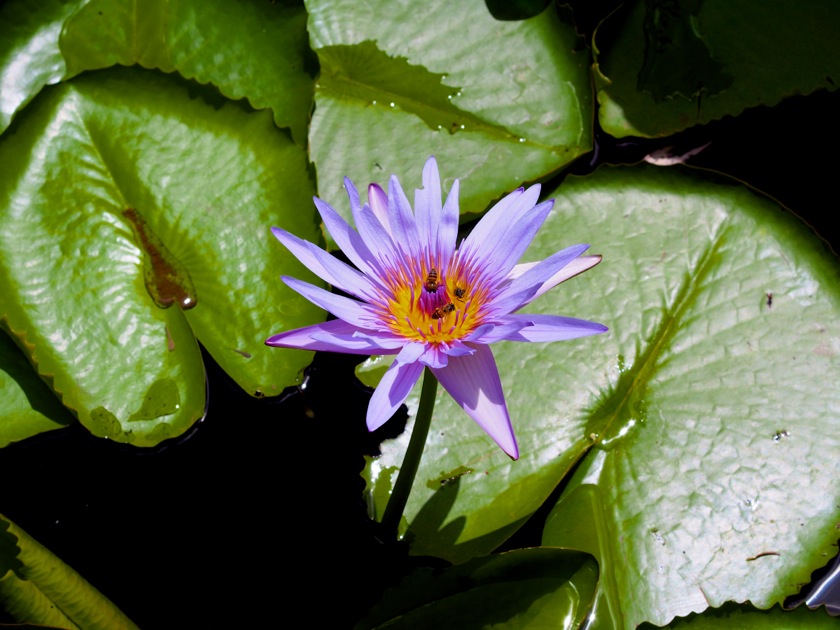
258 511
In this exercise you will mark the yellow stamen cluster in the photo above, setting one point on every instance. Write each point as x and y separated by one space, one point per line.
432 305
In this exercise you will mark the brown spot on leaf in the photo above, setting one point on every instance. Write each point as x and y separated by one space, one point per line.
166 278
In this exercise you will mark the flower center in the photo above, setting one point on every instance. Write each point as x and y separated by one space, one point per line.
433 305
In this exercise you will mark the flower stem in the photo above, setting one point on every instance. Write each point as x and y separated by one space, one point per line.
411 461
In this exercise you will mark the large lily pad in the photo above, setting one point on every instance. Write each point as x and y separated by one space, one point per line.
123 192
662 67
401 81
253 50
704 415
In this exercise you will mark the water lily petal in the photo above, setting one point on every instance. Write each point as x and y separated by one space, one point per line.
348 240
506 252
352 194
458 348
495 257
540 328
411 352
392 391
331 336
448 229
357 313
523 288
379 205
326 266
434 356
427 205
403 225
473 381
577 266
490 229
491 333
377 238
385 341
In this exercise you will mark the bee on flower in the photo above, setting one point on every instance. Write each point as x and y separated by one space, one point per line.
431 284
443 311
419 296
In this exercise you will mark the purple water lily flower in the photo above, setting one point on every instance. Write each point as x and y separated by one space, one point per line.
420 298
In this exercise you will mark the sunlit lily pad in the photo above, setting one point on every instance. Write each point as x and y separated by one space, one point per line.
253 50
396 87
134 218
696 416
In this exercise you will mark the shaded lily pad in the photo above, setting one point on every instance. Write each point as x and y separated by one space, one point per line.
745 617
136 195
26 404
475 97
528 588
692 415
38 588
664 66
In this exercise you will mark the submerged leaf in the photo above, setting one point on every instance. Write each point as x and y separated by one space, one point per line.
662 67
678 62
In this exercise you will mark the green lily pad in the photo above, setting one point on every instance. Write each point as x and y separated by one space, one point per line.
29 54
413 81
38 588
253 50
695 415
27 405
528 588
663 67
138 221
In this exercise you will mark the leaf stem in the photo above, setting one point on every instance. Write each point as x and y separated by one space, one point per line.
411 461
